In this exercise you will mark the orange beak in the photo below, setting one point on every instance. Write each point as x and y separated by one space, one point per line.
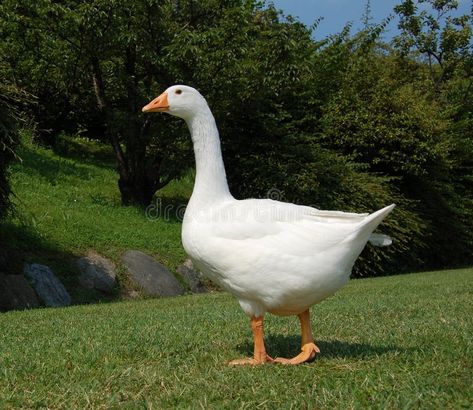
159 104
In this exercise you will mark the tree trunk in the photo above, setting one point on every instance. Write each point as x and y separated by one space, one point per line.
136 191
104 107
138 179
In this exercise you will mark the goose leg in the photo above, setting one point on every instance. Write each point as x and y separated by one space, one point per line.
309 348
259 356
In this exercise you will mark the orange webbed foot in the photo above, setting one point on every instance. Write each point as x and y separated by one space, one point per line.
252 361
309 351
259 353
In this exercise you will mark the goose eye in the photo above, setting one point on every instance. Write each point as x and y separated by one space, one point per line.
178 92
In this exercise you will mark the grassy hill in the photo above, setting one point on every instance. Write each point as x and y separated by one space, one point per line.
392 342
67 202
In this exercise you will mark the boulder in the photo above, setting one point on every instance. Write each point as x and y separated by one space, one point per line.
16 293
153 278
192 277
97 272
47 286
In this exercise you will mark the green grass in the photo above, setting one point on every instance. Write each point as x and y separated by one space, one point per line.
392 342
68 203
77 206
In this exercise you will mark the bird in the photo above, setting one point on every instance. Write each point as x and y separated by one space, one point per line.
273 257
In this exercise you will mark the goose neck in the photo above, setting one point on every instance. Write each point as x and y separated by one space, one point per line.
210 180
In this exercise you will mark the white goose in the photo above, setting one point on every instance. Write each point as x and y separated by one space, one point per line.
272 256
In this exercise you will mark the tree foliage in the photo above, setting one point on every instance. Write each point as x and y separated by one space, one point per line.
428 28
444 73
92 66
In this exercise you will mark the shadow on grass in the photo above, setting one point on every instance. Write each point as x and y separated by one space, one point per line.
20 244
289 346
51 168
89 152
167 208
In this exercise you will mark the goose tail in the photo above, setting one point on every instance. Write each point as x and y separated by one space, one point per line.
369 224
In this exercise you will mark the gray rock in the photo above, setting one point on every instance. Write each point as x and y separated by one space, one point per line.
47 286
192 277
16 293
132 294
152 277
97 272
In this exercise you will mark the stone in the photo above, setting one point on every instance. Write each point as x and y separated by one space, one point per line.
192 277
153 278
97 272
48 287
132 294
16 293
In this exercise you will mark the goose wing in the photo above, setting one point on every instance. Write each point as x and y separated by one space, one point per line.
284 228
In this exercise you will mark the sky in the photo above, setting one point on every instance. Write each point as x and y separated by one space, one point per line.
337 13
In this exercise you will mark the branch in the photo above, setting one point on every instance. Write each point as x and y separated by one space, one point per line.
438 57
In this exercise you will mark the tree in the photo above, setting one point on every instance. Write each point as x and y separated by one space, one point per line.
444 40
431 33
106 55
113 57
10 118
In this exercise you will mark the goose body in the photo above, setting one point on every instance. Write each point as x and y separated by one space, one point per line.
272 256
276 257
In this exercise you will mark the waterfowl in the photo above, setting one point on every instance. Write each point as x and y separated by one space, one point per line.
272 256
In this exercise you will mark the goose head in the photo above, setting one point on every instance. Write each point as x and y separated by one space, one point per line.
178 100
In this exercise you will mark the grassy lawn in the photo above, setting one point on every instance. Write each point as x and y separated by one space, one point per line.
393 342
